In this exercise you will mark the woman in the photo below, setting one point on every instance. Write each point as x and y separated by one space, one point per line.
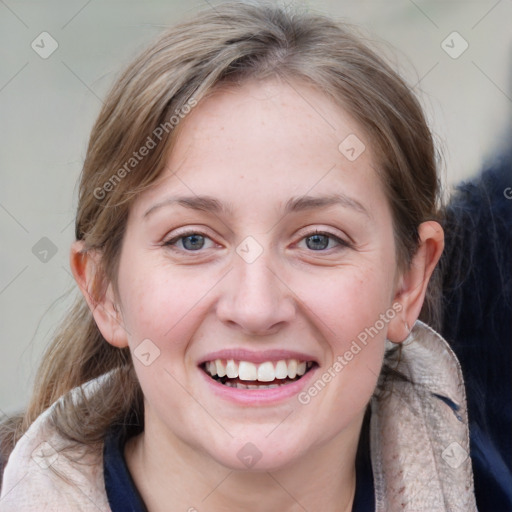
255 236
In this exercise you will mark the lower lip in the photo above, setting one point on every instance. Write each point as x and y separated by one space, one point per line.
259 396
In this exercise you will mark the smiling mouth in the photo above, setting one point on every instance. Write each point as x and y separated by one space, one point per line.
247 375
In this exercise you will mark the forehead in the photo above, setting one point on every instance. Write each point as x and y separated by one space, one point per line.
272 140
287 119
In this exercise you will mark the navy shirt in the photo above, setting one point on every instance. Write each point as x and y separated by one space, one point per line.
123 496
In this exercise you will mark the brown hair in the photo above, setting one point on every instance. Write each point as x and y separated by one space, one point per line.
231 43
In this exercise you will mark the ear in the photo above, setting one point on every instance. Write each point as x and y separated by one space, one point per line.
412 285
86 268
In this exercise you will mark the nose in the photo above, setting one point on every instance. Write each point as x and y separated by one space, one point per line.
255 298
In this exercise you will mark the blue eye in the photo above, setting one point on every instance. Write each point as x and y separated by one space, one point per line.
322 241
190 242
193 242
317 242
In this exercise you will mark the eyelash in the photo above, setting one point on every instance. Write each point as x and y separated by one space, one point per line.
342 244
170 243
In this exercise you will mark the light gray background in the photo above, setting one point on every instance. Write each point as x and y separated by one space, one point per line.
48 106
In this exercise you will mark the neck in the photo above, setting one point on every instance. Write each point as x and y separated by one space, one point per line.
174 473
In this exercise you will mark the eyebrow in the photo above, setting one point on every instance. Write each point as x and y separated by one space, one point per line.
202 203
311 202
294 204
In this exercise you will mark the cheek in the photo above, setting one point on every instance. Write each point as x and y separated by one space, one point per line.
161 304
347 309
347 303
166 308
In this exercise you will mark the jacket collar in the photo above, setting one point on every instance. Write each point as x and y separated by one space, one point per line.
419 431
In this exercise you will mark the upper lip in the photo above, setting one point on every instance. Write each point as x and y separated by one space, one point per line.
240 354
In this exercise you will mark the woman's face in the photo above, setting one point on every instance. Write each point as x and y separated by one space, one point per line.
265 248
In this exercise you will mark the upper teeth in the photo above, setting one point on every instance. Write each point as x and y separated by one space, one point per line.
264 372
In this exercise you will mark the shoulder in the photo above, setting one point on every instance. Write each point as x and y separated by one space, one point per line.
46 472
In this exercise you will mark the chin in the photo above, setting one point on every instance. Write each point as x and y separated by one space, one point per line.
259 453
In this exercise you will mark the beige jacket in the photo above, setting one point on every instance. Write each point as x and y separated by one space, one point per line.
419 446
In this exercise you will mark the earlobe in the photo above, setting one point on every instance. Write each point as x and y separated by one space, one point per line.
412 285
86 268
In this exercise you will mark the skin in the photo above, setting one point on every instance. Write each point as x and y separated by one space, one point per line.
253 148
